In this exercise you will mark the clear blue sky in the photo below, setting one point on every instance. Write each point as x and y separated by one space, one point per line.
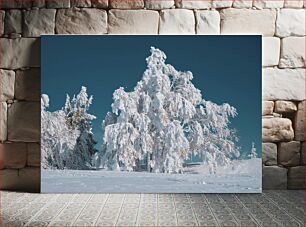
225 69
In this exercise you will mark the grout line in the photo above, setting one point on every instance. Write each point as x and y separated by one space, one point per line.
79 213
156 210
21 197
25 196
194 214
119 212
249 211
269 214
157 213
273 202
195 21
61 210
159 21
213 214
175 210
285 200
40 211
100 213
137 213
55 19
229 209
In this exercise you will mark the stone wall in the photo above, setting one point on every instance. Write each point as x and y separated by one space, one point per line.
281 22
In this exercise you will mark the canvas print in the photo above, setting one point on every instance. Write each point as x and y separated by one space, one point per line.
151 114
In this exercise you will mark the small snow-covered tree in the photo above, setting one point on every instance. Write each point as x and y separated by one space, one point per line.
253 153
57 139
67 139
78 118
163 121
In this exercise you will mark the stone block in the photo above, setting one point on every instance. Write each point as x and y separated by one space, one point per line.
13 21
293 4
262 4
248 21
39 22
33 154
293 52
38 3
289 153
274 177
277 129
99 3
221 3
192 4
13 155
242 4
296 176
267 107
126 4
27 86
9 179
159 4
26 179
15 4
208 22
177 21
139 22
285 107
271 51
3 121
7 85
81 21
299 122
20 53
283 84
80 3
56 4
269 154
30 179
24 122
290 22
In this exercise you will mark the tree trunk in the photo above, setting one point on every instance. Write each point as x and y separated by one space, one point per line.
149 158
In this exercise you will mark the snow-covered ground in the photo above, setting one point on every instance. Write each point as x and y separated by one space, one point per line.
245 177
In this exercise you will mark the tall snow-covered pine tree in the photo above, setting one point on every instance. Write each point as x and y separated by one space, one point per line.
77 117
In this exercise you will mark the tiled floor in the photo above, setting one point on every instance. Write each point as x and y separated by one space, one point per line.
271 208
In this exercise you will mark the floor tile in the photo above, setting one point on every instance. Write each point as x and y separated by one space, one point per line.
271 208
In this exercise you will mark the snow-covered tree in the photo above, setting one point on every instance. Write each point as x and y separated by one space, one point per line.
57 139
77 117
253 152
67 138
163 121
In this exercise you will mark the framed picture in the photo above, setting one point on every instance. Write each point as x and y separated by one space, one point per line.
151 114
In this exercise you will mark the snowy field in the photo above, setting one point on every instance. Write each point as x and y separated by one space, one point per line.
245 177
